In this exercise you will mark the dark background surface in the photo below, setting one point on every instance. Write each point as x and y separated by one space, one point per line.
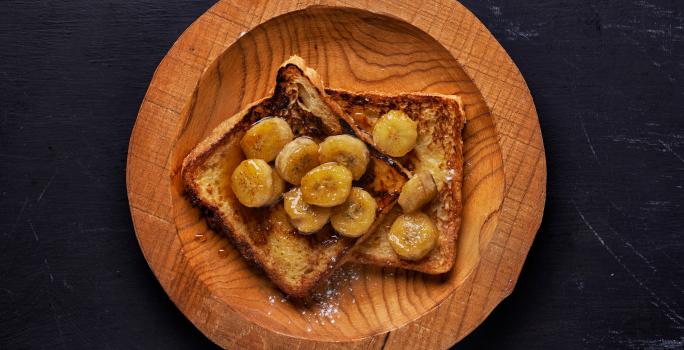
605 270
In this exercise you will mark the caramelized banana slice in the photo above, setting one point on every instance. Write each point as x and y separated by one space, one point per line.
278 187
327 185
296 159
266 138
304 217
355 216
417 192
412 236
395 134
346 150
252 183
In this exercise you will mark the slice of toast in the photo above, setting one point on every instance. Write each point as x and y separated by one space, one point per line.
295 263
440 121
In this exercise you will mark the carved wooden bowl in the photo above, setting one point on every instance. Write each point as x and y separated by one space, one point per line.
228 59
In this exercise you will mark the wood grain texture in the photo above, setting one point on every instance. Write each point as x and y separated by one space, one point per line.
227 59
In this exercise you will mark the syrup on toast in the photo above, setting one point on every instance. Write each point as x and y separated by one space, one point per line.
296 263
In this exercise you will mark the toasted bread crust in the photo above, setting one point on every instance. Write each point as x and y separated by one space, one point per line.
250 229
443 125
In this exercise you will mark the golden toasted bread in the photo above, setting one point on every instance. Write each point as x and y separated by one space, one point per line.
440 120
295 263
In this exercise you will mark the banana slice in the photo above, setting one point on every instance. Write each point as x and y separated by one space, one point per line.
278 187
252 183
355 216
412 236
417 192
266 138
395 134
327 185
296 159
346 150
304 217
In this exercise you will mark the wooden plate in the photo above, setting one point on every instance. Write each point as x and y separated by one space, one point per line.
228 58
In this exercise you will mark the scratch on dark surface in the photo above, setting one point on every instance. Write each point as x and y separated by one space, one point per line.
570 64
52 278
58 323
33 229
55 315
657 344
586 135
653 33
514 29
647 143
658 303
632 141
674 284
496 10
649 6
633 249
16 221
86 171
67 285
42 193
669 149
648 263
659 203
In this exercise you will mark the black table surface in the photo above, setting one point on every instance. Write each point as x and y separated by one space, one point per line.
604 272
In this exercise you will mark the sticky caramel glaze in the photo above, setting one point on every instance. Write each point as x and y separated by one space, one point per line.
383 180
380 180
